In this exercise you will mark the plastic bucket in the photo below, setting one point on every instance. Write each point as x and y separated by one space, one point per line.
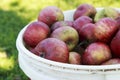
38 68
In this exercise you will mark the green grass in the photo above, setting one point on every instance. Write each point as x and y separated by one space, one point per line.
14 15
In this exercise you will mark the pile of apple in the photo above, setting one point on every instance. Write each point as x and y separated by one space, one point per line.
92 38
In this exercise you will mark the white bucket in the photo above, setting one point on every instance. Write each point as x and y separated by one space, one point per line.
38 68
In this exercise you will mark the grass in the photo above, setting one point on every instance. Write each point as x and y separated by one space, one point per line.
14 15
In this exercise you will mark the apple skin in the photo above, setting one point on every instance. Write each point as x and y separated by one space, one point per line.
35 32
67 34
87 32
105 29
52 49
50 15
61 24
84 10
106 12
115 45
118 22
79 22
74 58
96 53
102 31
112 61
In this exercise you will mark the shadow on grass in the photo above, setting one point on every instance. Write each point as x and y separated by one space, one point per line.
10 25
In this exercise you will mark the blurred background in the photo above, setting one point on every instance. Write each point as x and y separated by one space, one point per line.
15 14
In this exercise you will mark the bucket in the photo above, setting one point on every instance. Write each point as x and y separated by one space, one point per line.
38 68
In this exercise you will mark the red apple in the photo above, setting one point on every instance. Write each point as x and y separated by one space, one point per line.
87 32
105 29
52 49
61 24
79 22
67 34
84 10
96 53
115 45
74 58
118 21
50 15
35 32
102 31
112 61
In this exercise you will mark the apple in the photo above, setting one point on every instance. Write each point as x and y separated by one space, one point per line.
50 15
52 49
106 12
87 32
112 61
96 53
115 44
79 22
84 10
61 24
105 29
118 21
35 32
102 31
67 34
74 58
